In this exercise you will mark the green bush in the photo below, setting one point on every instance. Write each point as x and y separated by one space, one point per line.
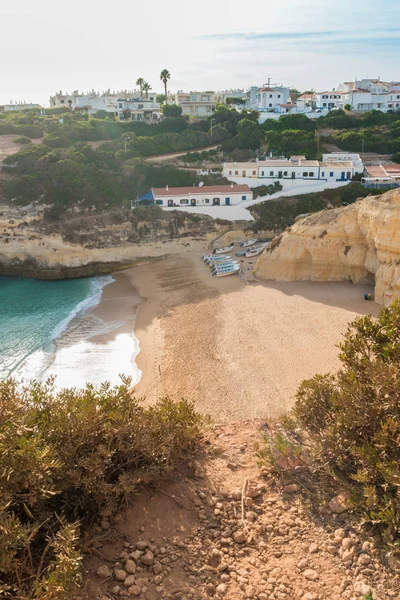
22 140
344 430
65 459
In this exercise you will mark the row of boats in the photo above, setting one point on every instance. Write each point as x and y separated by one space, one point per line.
221 264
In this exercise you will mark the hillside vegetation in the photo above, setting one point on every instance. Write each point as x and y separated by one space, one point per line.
96 161
68 460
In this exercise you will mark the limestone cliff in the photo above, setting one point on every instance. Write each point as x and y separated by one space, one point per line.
358 243
80 245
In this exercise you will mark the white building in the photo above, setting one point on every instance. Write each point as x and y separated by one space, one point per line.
328 100
271 99
382 176
196 104
336 167
17 106
136 106
207 195
352 157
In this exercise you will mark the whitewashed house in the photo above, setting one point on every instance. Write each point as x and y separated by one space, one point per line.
140 107
352 157
271 99
336 167
196 104
207 195
328 100
13 106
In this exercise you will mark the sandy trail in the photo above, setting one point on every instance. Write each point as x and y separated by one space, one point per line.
237 351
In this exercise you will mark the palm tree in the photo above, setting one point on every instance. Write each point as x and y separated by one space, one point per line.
140 82
146 87
165 76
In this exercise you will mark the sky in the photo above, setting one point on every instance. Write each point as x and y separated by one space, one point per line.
50 46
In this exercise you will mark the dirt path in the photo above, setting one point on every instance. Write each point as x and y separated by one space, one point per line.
223 529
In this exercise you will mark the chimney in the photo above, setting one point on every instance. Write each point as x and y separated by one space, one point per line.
166 187
232 185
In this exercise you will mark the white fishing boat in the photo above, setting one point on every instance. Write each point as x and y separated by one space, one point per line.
212 257
222 250
248 243
255 251
231 272
225 267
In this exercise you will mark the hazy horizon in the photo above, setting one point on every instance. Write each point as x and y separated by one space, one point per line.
222 46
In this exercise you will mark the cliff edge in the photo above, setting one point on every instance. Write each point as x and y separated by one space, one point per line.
358 243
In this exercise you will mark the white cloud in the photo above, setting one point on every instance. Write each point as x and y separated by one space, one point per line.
49 46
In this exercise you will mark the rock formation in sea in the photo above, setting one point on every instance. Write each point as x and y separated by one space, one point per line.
358 243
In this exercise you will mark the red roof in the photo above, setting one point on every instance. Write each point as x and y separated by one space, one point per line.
266 89
205 189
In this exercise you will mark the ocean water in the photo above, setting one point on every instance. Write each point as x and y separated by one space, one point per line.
47 329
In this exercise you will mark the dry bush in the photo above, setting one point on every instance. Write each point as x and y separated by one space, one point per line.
67 456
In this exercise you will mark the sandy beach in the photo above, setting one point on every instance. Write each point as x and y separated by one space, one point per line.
237 351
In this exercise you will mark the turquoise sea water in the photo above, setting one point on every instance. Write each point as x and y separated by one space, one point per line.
36 315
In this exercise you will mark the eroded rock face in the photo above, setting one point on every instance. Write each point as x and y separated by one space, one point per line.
358 243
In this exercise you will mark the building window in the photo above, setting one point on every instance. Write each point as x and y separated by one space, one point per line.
311 174
254 172
285 173
159 202
271 173
331 174
236 172
270 105
243 197
184 201
323 174
207 201
230 172
62 101
120 105
305 174
270 95
324 104
262 173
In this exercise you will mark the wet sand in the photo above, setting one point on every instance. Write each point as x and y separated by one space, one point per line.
237 351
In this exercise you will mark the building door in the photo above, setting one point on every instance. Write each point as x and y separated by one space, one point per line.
215 201
227 201
243 173
348 175
170 202
192 202
280 175
293 175
343 176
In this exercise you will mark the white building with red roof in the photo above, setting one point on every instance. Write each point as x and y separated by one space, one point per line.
206 195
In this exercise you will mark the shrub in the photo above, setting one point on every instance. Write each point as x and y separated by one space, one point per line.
67 457
22 140
172 110
344 430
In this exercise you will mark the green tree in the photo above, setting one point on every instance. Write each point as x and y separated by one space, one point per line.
140 83
165 76
146 87
172 110
347 107
396 158
250 135
161 98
